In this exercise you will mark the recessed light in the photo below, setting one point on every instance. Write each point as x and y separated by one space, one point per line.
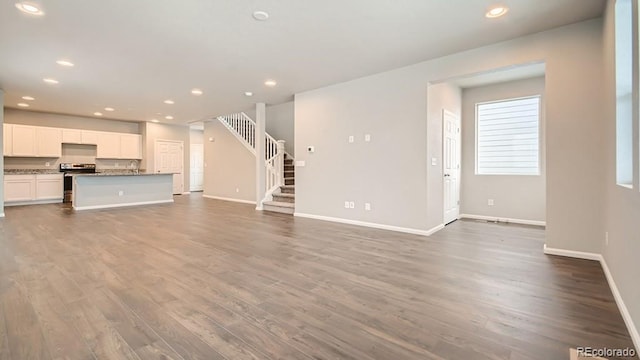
248 93
28 98
109 109
169 117
50 81
196 92
65 63
97 113
23 104
155 120
260 15
29 8
496 11
270 83
168 101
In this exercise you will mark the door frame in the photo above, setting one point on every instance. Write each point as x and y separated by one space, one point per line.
446 112
155 157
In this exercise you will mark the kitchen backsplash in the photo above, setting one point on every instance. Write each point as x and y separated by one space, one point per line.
71 153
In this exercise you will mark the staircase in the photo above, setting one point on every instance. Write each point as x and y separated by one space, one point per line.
284 197
279 174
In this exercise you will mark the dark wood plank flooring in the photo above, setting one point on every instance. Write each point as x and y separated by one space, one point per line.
207 279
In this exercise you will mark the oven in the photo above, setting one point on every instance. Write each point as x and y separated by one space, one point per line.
69 169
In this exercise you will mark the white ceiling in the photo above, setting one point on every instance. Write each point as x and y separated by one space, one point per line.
133 54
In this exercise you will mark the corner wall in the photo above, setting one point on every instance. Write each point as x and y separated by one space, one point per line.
391 171
230 169
515 197
621 209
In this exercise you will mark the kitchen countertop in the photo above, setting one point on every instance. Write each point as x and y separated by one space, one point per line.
123 173
30 171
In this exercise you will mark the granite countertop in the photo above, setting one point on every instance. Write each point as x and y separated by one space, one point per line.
30 171
121 173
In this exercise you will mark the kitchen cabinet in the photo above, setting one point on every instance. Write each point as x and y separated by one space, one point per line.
7 134
89 137
130 146
108 145
19 188
23 141
33 188
49 186
49 142
71 136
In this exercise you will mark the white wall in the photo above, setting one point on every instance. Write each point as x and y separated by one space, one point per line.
196 136
515 197
391 171
280 124
621 209
229 166
152 132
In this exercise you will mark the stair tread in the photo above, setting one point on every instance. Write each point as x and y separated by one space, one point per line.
285 195
288 186
279 203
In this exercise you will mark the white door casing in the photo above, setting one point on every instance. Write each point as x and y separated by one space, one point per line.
451 165
197 167
169 158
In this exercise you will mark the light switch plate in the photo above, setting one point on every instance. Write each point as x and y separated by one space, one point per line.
351 138
434 162
367 206
367 137
300 163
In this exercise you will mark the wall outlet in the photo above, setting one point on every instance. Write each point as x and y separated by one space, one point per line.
367 137
352 205
237 190
434 161
47 164
490 202
346 204
351 139
367 206
606 238
120 193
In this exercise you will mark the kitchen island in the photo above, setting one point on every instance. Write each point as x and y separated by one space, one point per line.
110 189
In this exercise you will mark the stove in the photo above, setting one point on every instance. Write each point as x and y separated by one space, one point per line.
69 169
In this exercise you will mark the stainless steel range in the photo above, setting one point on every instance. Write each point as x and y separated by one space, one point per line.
69 169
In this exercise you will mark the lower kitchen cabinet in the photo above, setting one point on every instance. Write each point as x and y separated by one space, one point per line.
33 189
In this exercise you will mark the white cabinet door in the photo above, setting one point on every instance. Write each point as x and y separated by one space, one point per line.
108 145
24 140
49 142
71 136
19 188
130 146
7 139
89 137
49 187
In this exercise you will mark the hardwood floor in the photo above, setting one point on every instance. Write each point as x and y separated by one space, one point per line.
208 279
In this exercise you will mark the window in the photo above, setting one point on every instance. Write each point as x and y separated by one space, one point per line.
508 137
624 91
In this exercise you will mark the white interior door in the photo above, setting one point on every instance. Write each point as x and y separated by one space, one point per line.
197 167
451 165
169 157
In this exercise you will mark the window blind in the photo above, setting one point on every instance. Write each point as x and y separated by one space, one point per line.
508 137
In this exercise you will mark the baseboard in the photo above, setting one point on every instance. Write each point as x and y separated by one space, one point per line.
622 307
186 193
229 199
33 202
633 330
110 206
501 219
371 225
572 254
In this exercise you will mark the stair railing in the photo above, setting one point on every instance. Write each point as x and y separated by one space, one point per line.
274 175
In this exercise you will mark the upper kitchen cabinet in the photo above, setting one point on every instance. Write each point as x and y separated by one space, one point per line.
49 142
130 146
108 145
89 137
71 136
23 141
7 143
